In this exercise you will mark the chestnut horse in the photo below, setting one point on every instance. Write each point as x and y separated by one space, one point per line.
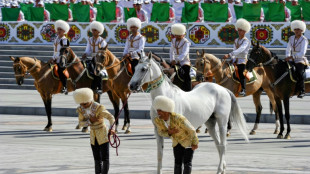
46 84
209 65
278 73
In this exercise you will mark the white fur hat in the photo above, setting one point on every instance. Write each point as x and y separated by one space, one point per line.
178 29
163 103
83 95
97 26
133 22
63 25
297 24
243 25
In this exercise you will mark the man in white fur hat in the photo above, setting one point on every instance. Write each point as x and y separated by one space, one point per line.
135 42
240 52
179 54
93 45
296 52
179 129
93 114
61 28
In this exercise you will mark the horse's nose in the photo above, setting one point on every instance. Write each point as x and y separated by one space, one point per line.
132 86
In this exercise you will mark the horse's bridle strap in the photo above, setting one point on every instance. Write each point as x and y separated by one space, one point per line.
269 61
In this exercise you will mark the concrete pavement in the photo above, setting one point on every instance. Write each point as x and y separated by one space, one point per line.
26 149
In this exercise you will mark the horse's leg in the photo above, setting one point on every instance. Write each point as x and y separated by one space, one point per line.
228 128
273 106
115 101
222 123
127 118
258 106
48 109
279 106
286 102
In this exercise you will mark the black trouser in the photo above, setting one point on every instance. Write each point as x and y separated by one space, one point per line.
62 77
96 83
241 68
182 156
134 63
187 78
300 69
101 157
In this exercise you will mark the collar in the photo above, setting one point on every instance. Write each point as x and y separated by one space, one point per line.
155 83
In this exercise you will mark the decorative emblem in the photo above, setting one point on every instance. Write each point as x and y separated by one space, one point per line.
286 33
199 34
162 26
83 41
276 42
121 33
277 26
13 25
169 35
213 42
228 34
111 26
111 41
48 33
262 33
25 32
214 26
37 40
74 33
4 32
163 42
150 33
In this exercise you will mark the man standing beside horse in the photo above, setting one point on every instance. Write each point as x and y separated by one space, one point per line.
93 45
296 51
134 43
241 48
179 54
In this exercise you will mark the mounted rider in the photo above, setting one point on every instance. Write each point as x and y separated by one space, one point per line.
135 42
94 43
179 54
296 52
241 48
61 41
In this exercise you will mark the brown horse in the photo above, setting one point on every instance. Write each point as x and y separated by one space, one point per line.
209 65
46 84
117 82
279 74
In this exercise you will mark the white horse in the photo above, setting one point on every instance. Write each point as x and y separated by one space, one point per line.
207 103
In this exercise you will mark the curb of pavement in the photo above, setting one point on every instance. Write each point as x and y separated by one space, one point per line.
136 114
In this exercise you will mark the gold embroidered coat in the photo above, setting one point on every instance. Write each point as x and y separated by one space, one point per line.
187 134
98 130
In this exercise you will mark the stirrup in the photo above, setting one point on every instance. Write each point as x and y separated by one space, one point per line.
99 91
64 91
242 93
301 94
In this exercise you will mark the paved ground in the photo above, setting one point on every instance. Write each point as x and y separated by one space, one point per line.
25 148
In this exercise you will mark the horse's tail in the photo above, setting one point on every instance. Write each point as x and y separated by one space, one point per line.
237 117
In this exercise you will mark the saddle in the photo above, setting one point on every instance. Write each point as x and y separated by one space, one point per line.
250 76
129 67
180 73
55 72
292 72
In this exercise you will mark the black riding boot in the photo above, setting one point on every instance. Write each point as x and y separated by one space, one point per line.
98 167
187 168
105 167
177 168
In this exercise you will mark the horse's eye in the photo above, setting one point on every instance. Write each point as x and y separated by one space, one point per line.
19 68
66 51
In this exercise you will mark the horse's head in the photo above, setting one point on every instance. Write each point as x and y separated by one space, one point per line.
146 71
256 56
65 55
20 70
101 59
203 66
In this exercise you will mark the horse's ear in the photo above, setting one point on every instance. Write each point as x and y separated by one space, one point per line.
198 53
253 43
150 55
106 47
203 51
12 58
257 44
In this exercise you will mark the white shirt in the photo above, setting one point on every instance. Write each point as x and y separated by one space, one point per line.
57 47
134 45
241 50
300 50
93 46
142 15
179 51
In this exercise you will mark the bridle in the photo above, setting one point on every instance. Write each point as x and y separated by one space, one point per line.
73 61
105 62
25 67
267 63
205 62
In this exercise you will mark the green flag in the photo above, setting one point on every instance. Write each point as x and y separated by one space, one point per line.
160 12
129 12
238 11
277 13
265 6
59 11
220 12
81 13
48 7
190 12
36 14
107 13
251 12
207 11
10 14
99 16
25 9
295 11
305 13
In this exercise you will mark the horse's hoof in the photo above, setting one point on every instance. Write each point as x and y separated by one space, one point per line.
85 130
280 136
124 127
78 127
127 132
45 129
197 131
206 131
287 136
252 132
276 132
228 134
